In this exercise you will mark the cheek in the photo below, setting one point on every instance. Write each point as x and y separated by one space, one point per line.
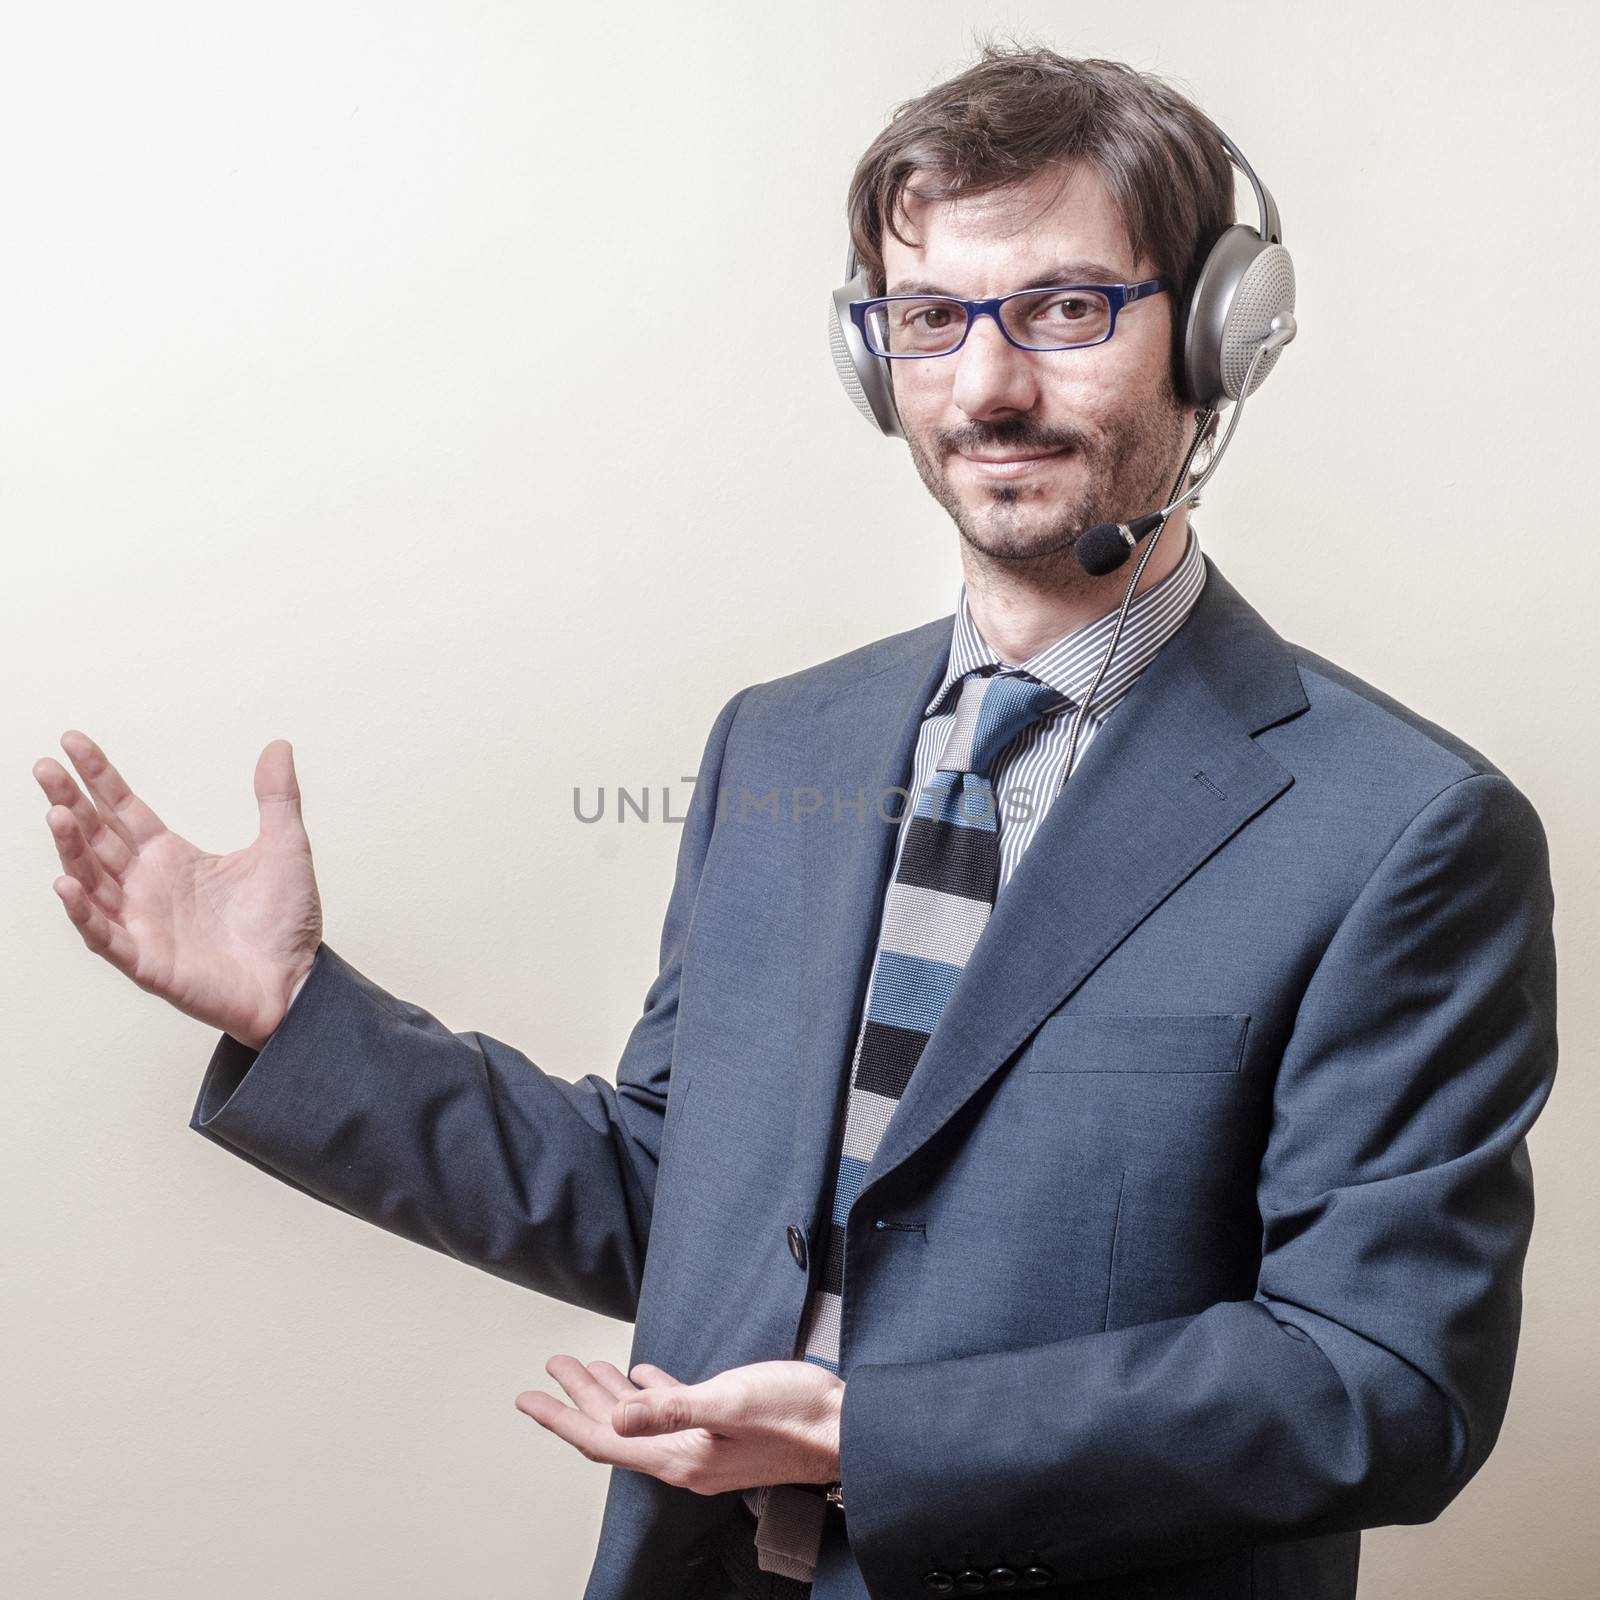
927 418
921 395
1104 391
1092 382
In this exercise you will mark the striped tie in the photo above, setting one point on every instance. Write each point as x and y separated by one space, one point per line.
943 891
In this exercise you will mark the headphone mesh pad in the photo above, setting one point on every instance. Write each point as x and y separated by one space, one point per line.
846 368
1266 288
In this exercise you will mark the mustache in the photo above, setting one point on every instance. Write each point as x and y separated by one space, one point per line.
1020 433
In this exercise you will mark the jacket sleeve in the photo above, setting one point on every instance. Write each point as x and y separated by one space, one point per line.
457 1141
1365 1382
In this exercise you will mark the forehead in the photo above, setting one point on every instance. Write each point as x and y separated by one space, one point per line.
985 244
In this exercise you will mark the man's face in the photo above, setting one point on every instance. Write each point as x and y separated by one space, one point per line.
1090 435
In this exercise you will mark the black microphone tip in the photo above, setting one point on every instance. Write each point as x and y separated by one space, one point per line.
1104 547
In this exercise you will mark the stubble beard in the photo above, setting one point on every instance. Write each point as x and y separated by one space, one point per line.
1012 529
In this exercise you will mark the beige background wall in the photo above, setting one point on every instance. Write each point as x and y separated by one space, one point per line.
304 435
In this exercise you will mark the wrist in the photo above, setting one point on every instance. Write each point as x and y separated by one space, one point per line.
835 1470
257 1039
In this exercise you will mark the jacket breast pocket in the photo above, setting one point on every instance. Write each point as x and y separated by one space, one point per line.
1086 1041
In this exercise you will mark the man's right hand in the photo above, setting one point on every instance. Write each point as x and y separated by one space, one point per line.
225 939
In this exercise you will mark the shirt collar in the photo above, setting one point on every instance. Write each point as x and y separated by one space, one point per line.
1069 664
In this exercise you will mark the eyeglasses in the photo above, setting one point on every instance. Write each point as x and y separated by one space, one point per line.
908 327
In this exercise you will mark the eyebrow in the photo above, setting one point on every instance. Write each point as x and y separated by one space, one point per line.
1064 272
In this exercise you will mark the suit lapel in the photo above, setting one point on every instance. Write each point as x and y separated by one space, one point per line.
1174 773
863 739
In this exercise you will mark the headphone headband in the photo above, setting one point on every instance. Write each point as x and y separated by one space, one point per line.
1269 229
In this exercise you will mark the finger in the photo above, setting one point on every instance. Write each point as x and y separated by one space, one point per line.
102 935
590 1396
278 793
649 1376
596 1440
123 810
611 1379
110 849
81 862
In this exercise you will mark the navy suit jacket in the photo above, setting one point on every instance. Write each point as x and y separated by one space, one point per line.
1195 1244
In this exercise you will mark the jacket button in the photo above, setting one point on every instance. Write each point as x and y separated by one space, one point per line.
971 1582
937 1582
1003 1578
1038 1577
797 1246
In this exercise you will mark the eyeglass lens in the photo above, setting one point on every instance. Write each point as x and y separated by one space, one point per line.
1048 319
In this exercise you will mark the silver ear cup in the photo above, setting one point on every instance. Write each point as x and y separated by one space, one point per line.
1265 291
865 376
1243 285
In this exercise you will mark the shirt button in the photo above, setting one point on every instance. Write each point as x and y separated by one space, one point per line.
1003 1578
797 1246
937 1582
971 1582
1038 1577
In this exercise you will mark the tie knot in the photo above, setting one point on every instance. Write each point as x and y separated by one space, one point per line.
993 709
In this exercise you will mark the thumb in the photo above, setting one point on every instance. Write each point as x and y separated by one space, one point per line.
278 793
668 1410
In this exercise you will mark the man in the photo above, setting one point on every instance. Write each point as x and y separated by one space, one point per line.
1125 1191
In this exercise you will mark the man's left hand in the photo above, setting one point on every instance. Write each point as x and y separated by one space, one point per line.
769 1422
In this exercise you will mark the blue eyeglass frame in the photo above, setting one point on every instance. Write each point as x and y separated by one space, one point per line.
1117 295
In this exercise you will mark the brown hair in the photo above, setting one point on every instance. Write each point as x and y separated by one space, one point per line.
1021 109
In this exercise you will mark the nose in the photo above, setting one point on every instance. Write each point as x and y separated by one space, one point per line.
993 377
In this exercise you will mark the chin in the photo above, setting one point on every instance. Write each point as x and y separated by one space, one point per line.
1010 540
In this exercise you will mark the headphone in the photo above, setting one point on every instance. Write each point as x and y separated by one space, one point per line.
1246 282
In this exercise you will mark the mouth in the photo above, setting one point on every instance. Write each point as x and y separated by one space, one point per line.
1010 464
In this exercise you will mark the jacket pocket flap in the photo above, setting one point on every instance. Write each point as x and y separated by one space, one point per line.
1086 1041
